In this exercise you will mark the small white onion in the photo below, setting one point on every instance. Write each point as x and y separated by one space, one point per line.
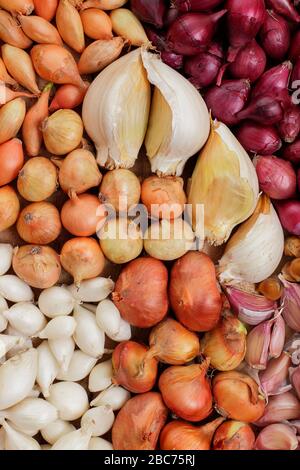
15 440
59 327
108 317
14 289
114 396
22 346
6 254
54 431
99 420
80 366
31 414
88 336
7 342
92 290
62 349
70 399
101 376
124 333
56 301
76 440
17 378
98 443
3 320
47 368
26 318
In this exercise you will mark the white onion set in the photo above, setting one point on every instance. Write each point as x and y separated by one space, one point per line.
46 349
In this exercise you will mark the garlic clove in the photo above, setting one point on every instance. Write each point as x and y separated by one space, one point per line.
179 120
97 443
92 290
283 407
124 333
58 328
114 119
56 301
295 380
115 397
88 336
55 430
108 317
17 378
21 346
62 349
6 254
75 440
101 376
274 380
291 303
99 420
258 342
256 248
26 318
80 366
15 440
14 289
225 182
70 399
47 368
3 320
277 337
7 342
277 437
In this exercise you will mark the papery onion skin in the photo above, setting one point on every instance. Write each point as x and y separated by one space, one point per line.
226 344
163 197
120 188
179 382
263 110
120 239
11 32
11 160
141 292
196 5
285 8
289 215
99 54
180 435
82 214
62 131
294 51
173 344
258 139
292 152
40 30
38 266
192 32
237 397
289 127
82 258
69 25
149 12
173 60
244 20
248 62
133 369
39 223
193 292
276 177
68 97
9 207
234 435
274 82
275 35
79 172
96 24
128 433
37 180
202 69
46 8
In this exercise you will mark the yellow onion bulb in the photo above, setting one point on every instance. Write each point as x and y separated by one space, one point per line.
121 188
38 266
62 131
225 345
164 197
39 223
82 258
9 207
172 343
121 240
37 180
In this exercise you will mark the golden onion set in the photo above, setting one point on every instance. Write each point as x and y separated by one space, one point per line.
178 334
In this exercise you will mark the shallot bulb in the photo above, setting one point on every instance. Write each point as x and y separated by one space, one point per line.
244 20
276 177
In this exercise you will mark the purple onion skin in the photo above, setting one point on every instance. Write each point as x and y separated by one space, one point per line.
191 33
248 62
289 215
150 12
274 82
289 126
292 152
284 8
202 69
294 52
157 38
173 60
277 177
258 139
264 110
196 5
244 20
275 36
170 16
227 100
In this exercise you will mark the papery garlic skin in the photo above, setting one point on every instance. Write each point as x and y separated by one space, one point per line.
14 289
92 290
17 378
99 420
116 110
56 301
255 250
88 336
179 120
70 399
80 366
47 368
15 440
26 318
6 254
54 431
225 183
